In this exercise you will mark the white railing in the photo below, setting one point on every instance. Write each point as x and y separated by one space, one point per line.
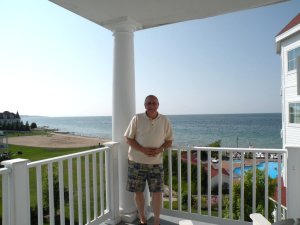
219 208
83 187
77 188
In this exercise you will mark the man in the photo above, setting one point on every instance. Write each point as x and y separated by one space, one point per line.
148 134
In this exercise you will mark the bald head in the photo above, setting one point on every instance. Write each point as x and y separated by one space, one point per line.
151 97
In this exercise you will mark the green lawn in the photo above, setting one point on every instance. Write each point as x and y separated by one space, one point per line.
27 133
38 153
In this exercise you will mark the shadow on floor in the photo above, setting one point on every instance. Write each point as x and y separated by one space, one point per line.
150 222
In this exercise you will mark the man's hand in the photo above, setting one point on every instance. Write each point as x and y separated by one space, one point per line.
152 151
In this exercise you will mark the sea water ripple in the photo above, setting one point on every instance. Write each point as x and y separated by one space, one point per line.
261 130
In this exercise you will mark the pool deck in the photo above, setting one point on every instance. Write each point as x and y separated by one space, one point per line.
226 163
247 162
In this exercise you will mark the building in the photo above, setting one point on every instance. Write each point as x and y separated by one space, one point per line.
8 117
215 176
214 170
3 142
288 46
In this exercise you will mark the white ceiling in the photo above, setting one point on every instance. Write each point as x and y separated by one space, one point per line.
152 13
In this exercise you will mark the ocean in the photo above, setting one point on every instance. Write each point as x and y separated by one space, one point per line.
261 130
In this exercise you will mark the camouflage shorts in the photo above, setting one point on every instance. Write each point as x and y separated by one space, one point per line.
139 173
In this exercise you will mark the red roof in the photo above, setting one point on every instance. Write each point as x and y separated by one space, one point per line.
290 25
215 171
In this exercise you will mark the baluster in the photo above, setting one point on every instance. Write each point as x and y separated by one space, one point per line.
101 172
170 178
179 179
209 183
79 191
220 182
95 196
87 189
266 185
254 163
189 179
51 193
199 165
279 188
230 185
39 189
242 185
61 192
70 185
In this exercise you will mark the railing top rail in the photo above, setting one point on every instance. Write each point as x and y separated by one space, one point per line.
4 171
270 150
64 157
292 146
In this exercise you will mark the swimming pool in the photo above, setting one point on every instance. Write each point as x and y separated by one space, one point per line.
272 169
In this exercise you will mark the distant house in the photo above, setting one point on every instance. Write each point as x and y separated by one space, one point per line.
214 170
215 176
8 117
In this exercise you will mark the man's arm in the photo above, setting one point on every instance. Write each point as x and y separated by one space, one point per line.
133 143
167 144
164 146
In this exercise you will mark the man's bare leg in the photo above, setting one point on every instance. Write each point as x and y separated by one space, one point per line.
156 204
140 204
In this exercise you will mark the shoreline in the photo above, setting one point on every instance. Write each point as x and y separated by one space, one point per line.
207 129
57 140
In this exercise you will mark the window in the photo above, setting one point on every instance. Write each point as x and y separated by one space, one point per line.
294 112
292 57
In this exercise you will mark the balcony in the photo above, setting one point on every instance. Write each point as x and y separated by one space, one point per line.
83 188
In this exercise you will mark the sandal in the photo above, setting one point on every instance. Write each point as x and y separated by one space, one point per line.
140 223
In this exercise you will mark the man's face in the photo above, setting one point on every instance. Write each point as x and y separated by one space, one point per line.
151 104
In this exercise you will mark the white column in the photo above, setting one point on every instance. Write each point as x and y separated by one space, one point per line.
18 191
293 182
123 105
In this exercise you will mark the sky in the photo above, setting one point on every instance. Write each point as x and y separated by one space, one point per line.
56 63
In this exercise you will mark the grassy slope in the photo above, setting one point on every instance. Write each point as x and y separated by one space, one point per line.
38 153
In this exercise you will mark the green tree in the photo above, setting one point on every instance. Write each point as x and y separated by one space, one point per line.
18 126
22 126
260 196
33 125
215 144
27 127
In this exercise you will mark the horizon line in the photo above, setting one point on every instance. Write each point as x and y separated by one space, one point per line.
183 114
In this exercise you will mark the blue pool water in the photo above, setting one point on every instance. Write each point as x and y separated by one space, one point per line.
272 169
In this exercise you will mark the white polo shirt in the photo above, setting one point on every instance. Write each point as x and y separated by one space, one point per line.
150 133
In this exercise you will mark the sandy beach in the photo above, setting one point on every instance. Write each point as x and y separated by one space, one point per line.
54 140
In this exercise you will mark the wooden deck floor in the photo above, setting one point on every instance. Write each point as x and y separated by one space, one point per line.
166 220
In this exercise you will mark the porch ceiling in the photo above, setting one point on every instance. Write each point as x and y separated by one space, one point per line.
153 13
